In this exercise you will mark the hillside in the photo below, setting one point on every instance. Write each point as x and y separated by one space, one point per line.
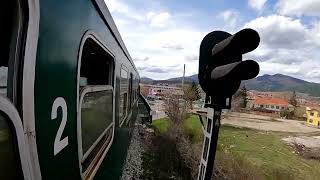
188 79
277 82
177 80
280 82
146 80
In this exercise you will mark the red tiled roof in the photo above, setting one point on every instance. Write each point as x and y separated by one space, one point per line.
270 101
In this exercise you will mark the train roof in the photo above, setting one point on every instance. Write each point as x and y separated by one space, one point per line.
102 7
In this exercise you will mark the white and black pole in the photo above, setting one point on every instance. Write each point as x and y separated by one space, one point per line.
209 147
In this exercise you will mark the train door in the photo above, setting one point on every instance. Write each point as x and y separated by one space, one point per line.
14 154
96 106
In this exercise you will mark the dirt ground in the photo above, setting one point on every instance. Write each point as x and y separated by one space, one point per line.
267 123
298 132
307 141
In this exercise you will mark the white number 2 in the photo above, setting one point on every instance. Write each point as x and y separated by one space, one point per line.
58 143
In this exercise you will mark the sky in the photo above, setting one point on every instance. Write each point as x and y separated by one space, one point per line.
162 35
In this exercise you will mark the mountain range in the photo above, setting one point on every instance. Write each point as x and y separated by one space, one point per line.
276 82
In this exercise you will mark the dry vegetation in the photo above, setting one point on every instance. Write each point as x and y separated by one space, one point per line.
175 150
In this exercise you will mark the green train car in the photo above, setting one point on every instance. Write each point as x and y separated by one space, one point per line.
69 91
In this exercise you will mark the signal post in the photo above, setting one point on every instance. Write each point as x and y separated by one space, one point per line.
221 71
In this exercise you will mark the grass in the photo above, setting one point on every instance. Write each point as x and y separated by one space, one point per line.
192 127
266 152
259 154
161 125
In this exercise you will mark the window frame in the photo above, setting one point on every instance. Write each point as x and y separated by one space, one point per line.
84 91
14 119
28 84
89 34
18 105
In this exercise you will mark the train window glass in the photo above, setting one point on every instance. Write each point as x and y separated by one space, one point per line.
130 91
134 95
123 105
96 104
96 65
3 80
10 167
96 116
123 94
96 122
123 80
8 19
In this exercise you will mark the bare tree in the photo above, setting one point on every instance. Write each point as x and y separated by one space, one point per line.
144 91
293 99
177 113
174 109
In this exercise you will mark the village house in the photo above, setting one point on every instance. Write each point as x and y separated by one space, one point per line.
313 117
160 90
270 104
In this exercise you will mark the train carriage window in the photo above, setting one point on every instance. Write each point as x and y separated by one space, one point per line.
96 105
130 91
96 65
3 80
123 94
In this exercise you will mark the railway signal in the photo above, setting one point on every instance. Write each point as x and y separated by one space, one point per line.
221 71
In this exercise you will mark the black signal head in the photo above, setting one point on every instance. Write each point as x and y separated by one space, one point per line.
221 68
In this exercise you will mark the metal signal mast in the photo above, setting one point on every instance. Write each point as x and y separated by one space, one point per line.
221 71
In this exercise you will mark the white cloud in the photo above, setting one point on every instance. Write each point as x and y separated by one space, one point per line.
299 7
160 42
257 4
117 6
121 9
280 31
158 19
287 46
230 18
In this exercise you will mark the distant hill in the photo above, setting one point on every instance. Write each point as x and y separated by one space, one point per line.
187 79
277 82
146 80
177 80
280 82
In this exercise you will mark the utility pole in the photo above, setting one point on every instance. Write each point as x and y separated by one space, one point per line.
184 72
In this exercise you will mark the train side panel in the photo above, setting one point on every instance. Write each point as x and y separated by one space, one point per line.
62 27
